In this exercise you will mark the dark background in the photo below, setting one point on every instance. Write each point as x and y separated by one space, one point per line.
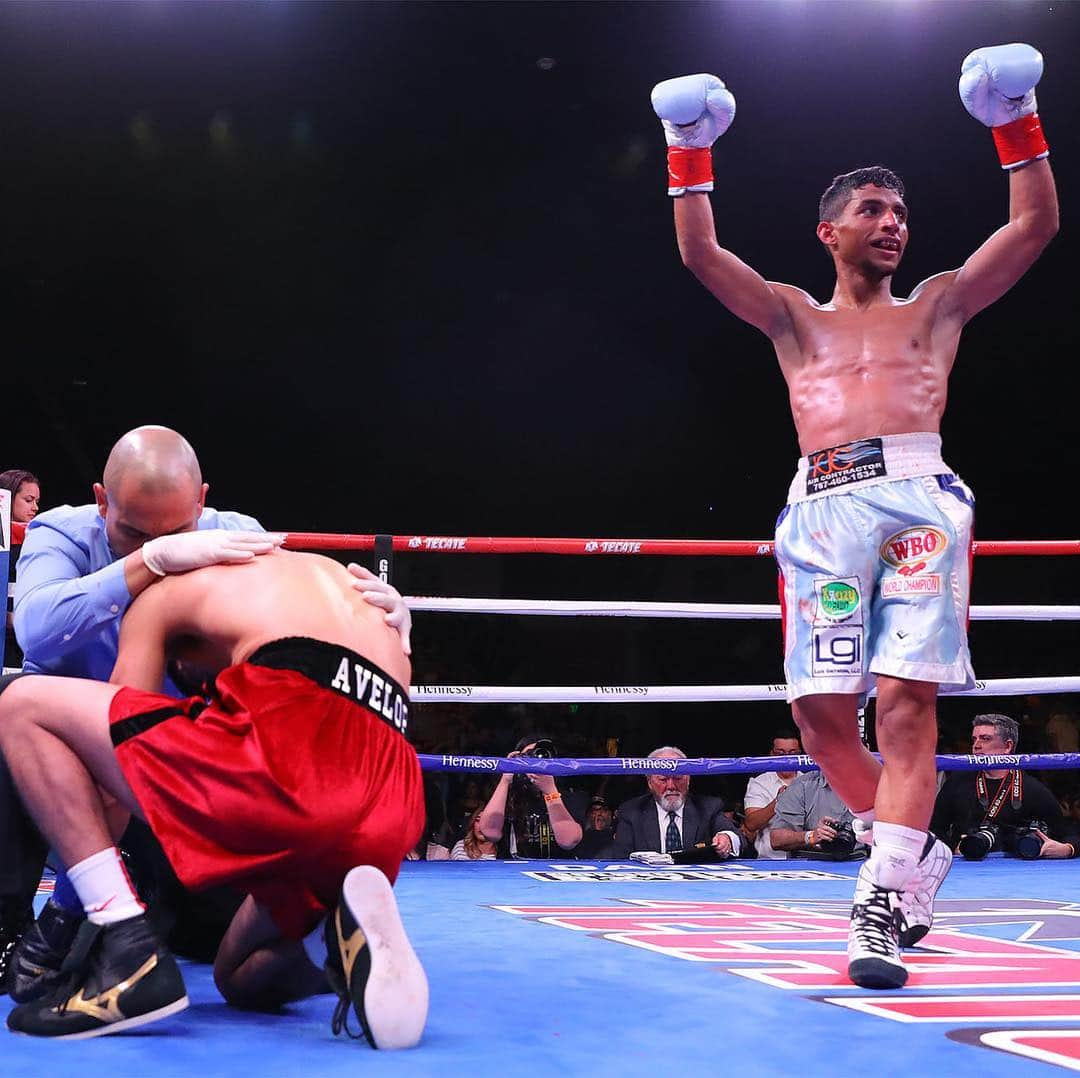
410 268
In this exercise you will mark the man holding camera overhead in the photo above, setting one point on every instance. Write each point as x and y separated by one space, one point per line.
1000 809
526 816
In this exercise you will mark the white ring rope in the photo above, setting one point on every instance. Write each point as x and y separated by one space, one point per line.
732 611
643 694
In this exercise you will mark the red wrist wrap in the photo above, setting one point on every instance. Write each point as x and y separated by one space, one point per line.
688 167
1020 141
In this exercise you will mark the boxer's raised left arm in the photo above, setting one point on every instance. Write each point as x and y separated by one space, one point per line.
997 86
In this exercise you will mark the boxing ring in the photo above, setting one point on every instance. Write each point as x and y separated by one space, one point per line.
621 968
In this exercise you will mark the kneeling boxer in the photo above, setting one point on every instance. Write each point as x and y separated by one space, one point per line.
294 773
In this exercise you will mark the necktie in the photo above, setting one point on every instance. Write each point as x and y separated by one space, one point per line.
672 840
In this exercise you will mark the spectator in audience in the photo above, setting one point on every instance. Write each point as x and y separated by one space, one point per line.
465 805
599 831
25 494
434 844
526 816
668 819
25 491
1000 801
762 791
1062 731
809 815
475 846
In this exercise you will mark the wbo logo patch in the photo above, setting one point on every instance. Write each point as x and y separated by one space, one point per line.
911 550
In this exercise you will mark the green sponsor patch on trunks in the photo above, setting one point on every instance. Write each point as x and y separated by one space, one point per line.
839 599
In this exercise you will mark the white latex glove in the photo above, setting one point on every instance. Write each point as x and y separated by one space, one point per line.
385 597
195 550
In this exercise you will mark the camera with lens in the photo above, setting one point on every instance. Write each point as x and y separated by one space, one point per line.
975 845
843 843
1025 842
544 749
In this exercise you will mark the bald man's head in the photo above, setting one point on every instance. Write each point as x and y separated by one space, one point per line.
152 486
153 458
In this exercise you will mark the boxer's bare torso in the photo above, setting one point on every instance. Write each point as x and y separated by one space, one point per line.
214 617
865 363
855 373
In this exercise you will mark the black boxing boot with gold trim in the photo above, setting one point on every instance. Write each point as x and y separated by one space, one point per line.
371 965
126 979
39 956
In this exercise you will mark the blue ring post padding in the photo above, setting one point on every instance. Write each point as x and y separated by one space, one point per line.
735 765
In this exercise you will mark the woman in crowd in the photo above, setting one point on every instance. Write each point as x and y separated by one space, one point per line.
475 846
25 494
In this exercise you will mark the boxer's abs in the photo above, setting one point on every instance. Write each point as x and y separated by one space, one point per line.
863 374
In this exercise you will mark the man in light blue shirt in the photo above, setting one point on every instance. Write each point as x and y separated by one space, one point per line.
81 566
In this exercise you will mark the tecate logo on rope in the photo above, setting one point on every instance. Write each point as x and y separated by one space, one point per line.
595 546
436 542
629 690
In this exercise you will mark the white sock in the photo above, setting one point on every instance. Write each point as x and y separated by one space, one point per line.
895 854
103 887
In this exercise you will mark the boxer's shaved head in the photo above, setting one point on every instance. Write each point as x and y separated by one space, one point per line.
839 192
155 459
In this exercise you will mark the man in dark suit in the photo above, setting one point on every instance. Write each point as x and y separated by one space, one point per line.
668 819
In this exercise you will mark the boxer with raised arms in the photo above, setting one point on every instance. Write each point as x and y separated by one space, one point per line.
873 544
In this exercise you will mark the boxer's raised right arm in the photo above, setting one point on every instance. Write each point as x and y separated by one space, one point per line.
735 284
695 110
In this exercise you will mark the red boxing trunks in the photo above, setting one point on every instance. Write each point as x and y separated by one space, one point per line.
292 774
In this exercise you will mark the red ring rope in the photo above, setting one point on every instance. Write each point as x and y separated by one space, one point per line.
449 544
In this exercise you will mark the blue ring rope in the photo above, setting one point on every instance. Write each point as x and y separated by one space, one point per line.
736 765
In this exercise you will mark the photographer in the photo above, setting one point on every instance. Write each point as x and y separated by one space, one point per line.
526 815
1001 809
809 816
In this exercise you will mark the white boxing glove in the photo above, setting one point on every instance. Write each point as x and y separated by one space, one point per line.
387 598
195 550
695 110
997 86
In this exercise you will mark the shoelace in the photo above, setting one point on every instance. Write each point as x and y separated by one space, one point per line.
340 1021
76 966
877 923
